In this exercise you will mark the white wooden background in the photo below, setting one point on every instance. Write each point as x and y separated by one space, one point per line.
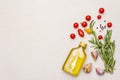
34 37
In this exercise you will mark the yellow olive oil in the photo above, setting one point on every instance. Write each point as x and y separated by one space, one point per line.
75 60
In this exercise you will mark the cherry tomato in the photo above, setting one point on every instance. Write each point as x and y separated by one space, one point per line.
72 36
84 24
80 32
88 17
75 25
101 10
100 37
99 17
109 24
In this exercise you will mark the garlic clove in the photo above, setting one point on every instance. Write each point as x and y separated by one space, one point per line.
94 55
87 68
100 71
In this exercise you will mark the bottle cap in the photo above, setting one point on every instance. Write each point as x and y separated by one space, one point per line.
82 44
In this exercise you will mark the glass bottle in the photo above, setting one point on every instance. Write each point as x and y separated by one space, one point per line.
75 60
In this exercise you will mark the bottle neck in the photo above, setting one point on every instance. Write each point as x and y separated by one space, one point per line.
83 45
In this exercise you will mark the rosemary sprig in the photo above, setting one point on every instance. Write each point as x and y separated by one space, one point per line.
105 49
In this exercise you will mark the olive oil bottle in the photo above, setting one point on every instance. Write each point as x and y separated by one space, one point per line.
75 60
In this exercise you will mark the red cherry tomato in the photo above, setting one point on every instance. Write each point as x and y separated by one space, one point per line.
101 10
75 25
72 36
109 24
80 32
88 17
84 24
100 37
99 17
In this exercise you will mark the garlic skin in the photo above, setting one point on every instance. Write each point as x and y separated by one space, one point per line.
87 68
94 55
100 71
